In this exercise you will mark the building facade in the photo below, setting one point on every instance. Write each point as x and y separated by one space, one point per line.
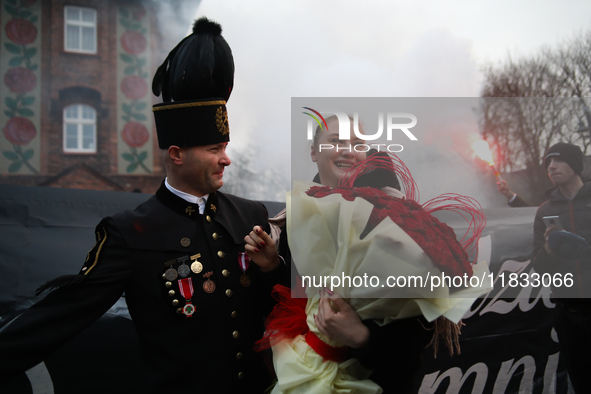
75 95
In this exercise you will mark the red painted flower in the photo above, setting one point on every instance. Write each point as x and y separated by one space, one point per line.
133 42
134 87
20 80
19 131
21 31
135 134
139 13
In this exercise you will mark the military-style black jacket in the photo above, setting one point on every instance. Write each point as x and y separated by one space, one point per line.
575 216
209 351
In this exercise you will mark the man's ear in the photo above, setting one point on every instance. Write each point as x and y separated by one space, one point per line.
175 154
313 153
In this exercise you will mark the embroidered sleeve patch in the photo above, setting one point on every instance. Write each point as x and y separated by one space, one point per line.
93 255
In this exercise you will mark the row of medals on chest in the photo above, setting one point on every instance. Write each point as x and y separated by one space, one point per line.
185 283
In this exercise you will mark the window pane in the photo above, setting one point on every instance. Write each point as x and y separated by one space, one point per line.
80 128
72 13
71 131
88 131
72 112
88 38
73 37
88 15
87 112
88 137
71 136
71 143
88 143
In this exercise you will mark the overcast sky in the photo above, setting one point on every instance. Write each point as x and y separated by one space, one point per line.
337 48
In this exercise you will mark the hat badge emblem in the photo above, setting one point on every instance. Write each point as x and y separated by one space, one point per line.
221 121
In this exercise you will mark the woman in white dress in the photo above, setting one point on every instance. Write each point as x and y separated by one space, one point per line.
365 354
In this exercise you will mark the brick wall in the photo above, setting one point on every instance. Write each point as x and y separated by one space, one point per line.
69 78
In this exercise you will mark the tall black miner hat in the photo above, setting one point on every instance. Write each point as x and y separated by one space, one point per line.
195 80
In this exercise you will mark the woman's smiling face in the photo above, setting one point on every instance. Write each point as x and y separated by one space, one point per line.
334 156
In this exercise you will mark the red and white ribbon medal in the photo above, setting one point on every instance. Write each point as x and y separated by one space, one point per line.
186 289
244 262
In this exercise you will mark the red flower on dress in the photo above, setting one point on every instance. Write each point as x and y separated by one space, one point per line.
20 31
134 87
19 131
135 134
20 80
133 42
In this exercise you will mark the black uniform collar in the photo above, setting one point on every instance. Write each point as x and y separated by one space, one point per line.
217 207
185 208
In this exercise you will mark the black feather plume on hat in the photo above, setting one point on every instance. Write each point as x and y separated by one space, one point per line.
201 66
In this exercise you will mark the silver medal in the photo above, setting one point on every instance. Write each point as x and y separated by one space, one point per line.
184 270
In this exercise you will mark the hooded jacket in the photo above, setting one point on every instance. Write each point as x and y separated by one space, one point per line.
575 216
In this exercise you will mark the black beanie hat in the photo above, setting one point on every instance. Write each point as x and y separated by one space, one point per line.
569 153
195 80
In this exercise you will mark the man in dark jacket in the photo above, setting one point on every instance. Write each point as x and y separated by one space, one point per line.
197 302
570 200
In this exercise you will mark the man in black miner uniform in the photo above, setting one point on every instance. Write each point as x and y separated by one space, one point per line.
197 302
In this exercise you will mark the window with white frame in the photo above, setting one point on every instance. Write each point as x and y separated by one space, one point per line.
79 129
80 29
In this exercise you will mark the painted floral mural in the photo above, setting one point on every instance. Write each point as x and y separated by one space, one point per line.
19 93
133 97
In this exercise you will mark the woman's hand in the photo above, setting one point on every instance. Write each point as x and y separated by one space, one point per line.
340 322
260 247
